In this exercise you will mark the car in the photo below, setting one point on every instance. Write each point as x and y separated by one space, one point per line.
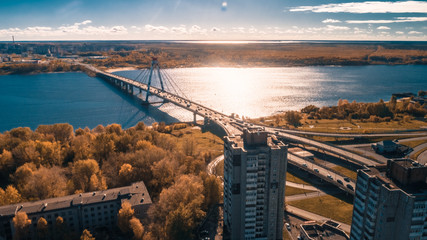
304 165
316 170
288 226
329 176
347 179
349 187
340 182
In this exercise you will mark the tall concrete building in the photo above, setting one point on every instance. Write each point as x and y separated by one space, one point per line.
391 202
254 186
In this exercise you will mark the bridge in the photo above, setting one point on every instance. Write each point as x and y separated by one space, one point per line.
233 126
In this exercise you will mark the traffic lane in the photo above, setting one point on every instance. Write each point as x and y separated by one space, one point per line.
338 179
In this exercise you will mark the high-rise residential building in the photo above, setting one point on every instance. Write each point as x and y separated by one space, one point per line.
391 201
254 185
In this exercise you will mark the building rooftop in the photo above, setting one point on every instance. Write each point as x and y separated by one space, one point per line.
405 174
136 194
322 231
252 138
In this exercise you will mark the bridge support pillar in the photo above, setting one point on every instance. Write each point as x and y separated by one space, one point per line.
131 89
194 118
140 90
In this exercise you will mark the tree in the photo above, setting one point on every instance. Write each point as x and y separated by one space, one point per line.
9 196
137 228
62 132
189 146
60 228
45 183
211 190
124 216
86 235
42 228
182 201
293 118
125 174
21 223
87 176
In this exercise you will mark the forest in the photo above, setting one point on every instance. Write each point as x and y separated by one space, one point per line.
54 160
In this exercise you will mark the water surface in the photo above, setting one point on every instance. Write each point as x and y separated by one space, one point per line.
31 100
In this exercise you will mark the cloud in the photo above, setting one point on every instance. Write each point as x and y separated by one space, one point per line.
333 28
329 20
383 28
86 22
395 20
399 32
181 29
71 31
367 7
151 28
414 32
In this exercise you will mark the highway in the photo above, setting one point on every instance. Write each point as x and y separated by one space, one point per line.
408 133
333 177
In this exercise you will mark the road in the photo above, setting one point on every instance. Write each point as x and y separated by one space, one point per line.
333 177
404 133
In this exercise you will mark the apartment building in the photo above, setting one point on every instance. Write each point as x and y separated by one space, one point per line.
391 202
254 185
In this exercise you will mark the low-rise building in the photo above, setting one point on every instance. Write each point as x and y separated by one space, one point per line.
328 230
90 211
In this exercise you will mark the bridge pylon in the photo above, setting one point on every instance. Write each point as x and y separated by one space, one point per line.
155 67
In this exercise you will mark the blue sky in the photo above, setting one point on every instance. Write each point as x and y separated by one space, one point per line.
213 20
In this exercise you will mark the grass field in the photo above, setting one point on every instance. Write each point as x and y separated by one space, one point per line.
415 143
338 207
346 172
289 191
415 156
202 140
292 178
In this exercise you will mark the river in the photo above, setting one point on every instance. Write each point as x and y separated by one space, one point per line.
31 100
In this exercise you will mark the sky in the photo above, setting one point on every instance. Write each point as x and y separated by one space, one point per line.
28 20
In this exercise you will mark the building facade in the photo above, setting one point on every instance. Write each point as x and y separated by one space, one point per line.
391 202
254 185
90 211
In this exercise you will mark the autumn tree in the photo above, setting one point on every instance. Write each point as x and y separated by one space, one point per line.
211 190
87 176
124 216
179 204
42 228
44 183
86 235
21 223
293 118
125 174
62 132
137 228
9 196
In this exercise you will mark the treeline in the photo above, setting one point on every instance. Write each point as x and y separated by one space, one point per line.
274 55
374 112
55 160
27 68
